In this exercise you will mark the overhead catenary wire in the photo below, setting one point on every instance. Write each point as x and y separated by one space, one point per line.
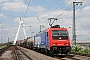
27 8
62 6
68 12
64 12
23 9
68 8
77 7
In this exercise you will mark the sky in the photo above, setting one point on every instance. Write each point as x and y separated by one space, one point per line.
36 12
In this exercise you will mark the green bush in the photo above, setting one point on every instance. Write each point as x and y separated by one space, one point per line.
7 44
86 51
78 49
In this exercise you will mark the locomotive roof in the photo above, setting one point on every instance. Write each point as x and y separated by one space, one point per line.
52 29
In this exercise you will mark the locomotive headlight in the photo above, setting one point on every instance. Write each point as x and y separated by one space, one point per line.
54 44
66 44
60 38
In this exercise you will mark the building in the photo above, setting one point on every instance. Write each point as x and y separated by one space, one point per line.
85 45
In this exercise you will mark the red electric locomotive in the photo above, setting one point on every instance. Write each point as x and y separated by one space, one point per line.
59 40
54 40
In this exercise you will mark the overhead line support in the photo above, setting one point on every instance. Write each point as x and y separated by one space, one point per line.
74 26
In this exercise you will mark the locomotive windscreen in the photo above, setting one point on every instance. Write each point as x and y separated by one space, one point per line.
59 34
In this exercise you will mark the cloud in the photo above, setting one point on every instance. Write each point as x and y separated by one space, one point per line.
83 23
86 8
1 1
83 13
37 8
65 19
43 19
29 21
14 6
20 6
2 15
57 14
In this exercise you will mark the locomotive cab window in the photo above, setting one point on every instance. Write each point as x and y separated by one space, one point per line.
59 34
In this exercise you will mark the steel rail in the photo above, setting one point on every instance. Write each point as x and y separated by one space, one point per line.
23 54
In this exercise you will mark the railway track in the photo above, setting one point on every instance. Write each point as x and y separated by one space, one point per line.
72 57
88 55
35 55
7 53
21 55
58 57
3 49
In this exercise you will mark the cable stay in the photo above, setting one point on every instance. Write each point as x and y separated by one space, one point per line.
20 25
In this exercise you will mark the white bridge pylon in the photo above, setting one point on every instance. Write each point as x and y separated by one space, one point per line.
20 25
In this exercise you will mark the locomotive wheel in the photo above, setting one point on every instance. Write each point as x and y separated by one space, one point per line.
51 53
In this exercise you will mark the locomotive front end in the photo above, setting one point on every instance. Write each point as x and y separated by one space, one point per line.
59 40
